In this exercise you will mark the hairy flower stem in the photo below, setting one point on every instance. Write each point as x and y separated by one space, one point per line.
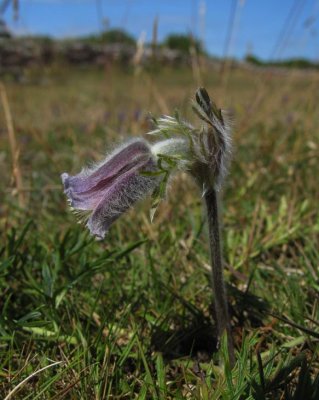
221 306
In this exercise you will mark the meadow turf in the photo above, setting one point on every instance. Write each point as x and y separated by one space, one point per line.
130 317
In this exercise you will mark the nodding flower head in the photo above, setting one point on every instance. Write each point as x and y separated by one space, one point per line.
106 191
213 140
137 168
207 149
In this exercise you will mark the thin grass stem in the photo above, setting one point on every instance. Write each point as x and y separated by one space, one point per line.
13 145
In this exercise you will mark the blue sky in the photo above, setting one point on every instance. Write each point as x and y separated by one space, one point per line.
267 28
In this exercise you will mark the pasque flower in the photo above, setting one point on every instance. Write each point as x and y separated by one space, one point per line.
137 169
110 188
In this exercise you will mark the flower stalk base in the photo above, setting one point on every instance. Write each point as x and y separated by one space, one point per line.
220 296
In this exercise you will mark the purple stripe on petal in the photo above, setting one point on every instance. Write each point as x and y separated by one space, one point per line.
111 166
125 192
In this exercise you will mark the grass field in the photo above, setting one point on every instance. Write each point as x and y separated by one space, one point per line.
130 317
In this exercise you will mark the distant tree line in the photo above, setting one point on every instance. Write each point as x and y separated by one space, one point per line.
183 43
180 42
109 37
302 63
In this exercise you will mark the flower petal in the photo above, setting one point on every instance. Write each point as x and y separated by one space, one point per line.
113 186
125 192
